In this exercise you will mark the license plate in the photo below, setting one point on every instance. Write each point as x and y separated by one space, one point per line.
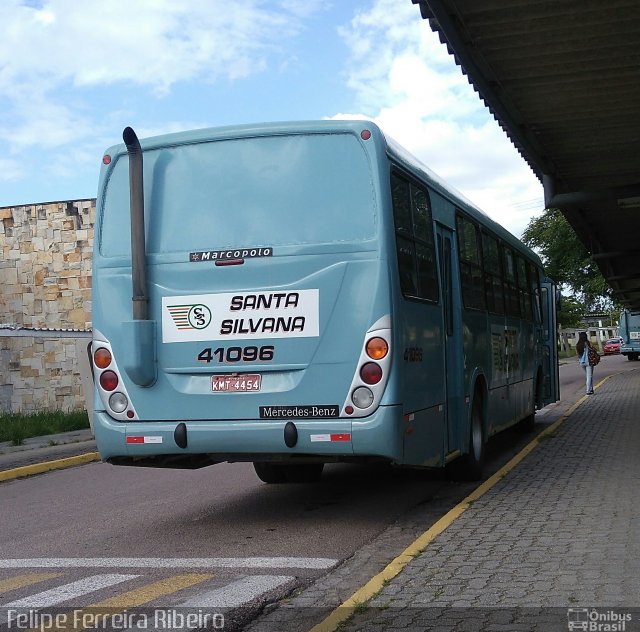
235 383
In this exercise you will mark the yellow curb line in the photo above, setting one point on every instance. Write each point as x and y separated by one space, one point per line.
40 468
377 582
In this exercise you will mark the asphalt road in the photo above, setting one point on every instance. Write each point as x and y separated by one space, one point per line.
229 539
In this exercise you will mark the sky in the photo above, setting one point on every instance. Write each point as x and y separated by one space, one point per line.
74 74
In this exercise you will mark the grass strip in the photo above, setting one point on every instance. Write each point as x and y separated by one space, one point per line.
16 427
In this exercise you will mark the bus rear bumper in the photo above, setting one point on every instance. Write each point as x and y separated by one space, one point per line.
207 442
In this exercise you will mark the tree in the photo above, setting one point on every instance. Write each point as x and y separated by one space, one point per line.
570 313
567 261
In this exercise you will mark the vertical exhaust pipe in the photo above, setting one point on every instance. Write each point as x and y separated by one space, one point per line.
139 334
140 296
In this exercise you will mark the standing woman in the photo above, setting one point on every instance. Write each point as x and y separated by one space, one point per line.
587 363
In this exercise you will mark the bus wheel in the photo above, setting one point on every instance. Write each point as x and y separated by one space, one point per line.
288 473
270 472
474 461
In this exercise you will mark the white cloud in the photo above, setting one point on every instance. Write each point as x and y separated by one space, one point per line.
45 123
56 55
407 82
146 42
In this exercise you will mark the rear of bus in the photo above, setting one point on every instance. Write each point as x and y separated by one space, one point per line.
267 329
629 329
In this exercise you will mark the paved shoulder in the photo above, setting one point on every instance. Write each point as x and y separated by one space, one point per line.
48 448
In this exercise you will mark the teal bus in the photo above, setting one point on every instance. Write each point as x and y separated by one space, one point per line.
629 330
305 293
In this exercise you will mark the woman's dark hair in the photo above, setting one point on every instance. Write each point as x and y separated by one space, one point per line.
582 342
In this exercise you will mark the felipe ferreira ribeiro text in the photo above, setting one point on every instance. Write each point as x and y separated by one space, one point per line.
161 619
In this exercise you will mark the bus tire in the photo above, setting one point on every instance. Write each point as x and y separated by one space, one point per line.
473 462
270 472
274 473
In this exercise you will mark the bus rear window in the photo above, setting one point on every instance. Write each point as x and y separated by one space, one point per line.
263 191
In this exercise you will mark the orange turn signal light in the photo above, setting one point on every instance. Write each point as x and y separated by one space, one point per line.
102 358
377 348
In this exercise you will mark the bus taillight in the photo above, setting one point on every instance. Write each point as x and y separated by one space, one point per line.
118 402
370 378
109 381
102 358
377 348
371 373
108 378
362 397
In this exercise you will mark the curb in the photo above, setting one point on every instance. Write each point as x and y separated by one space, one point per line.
47 466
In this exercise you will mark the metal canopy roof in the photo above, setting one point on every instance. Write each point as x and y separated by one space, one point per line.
563 79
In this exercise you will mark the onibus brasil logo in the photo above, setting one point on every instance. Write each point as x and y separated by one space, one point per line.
188 317
592 620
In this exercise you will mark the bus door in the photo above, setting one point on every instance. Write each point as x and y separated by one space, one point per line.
551 389
452 339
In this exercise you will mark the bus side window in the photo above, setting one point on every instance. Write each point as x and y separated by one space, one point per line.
524 283
414 239
423 234
401 200
473 293
406 266
493 274
511 286
537 297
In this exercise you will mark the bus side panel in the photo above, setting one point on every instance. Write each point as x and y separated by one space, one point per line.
497 412
476 367
526 395
420 366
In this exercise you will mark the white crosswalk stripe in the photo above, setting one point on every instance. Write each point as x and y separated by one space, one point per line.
77 594
238 592
66 592
313 563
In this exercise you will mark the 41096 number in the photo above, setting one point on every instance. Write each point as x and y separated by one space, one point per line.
232 355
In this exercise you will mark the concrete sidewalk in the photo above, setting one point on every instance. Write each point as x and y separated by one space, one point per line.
45 449
552 544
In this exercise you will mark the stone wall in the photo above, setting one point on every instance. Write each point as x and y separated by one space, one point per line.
45 285
39 372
